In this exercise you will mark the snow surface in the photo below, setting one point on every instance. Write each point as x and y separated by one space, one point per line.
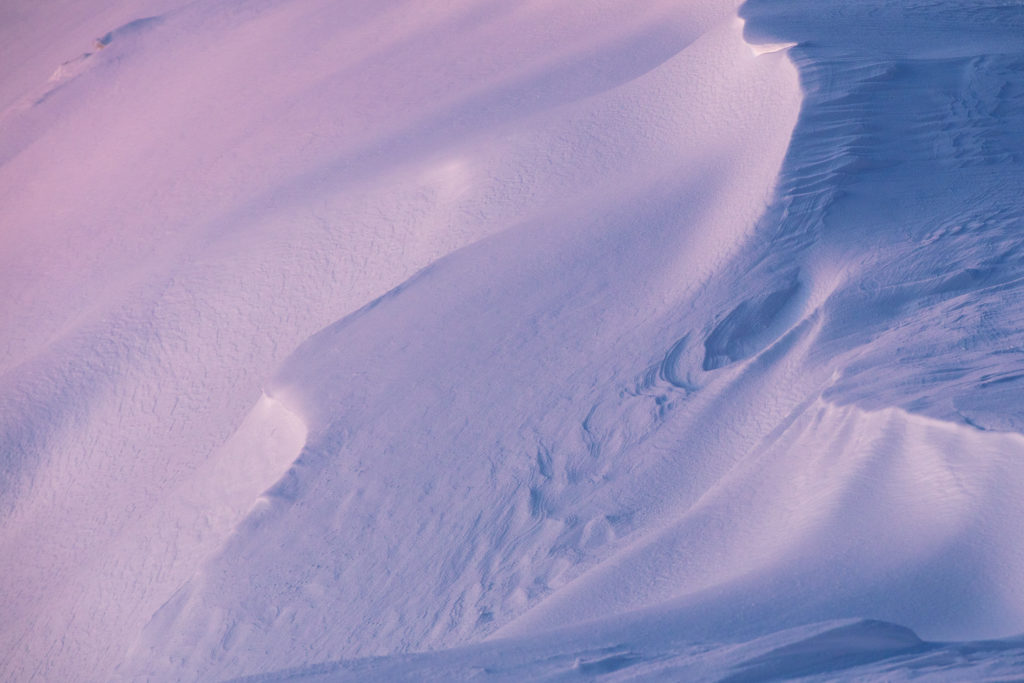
389 340
644 648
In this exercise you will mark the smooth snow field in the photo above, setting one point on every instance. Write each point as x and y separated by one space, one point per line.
545 340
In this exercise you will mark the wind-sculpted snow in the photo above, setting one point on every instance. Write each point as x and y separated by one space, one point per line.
210 186
468 432
906 174
645 647
614 423
653 342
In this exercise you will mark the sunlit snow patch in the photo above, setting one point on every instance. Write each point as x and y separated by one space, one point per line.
261 451
765 48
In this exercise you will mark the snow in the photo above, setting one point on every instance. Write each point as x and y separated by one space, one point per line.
647 649
667 339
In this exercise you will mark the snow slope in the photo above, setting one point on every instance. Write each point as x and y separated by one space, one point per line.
646 648
183 206
461 428
633 339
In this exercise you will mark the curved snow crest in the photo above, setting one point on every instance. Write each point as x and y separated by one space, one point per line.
73 67
266 444
459 424
762 48
857 513
189 523
231 492
843 501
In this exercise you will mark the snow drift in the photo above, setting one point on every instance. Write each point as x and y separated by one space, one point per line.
634 340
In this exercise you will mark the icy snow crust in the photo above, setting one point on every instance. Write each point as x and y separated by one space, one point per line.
634 339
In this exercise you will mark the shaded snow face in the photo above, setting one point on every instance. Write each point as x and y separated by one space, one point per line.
905 174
